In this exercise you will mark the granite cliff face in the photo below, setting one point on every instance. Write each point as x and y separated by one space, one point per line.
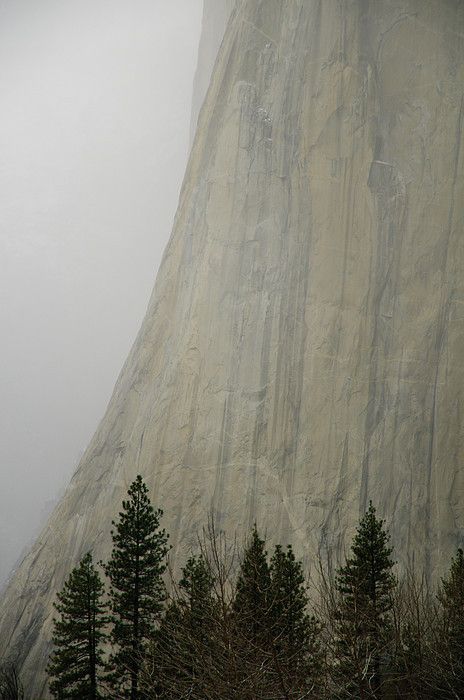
303 350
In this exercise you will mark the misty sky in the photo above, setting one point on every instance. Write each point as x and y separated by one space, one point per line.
94 125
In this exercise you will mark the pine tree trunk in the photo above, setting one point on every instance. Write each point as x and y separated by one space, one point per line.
91 647
135 640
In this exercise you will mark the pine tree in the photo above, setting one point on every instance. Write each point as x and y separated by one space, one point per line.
252 592
295 633
184 642
451 598
137 593
78 635
197 605
251 661
363 618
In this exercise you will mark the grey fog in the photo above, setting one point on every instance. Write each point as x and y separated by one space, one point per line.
95 100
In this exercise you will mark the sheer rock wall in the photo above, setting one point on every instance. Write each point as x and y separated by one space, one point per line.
303 351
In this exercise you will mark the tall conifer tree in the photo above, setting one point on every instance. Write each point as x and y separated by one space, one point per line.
252 591
197 604
137 593
252 623
78 635
363 619
183 654
295 633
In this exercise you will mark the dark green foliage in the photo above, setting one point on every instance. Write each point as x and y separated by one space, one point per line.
277 641
252 593
250 634
248 622
78 635
197 605
451 598
10 685
183 658
363 617
295 635
137 593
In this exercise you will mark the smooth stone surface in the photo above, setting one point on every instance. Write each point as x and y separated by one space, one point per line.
303 351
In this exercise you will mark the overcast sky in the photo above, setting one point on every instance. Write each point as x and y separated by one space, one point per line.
94 124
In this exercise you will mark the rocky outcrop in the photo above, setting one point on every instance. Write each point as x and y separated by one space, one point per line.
303 348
